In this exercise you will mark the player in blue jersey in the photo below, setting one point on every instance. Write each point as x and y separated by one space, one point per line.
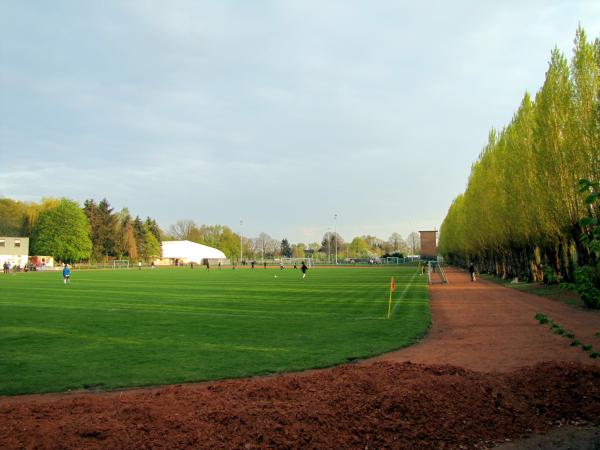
66 274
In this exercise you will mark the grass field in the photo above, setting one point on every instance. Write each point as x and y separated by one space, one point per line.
119 328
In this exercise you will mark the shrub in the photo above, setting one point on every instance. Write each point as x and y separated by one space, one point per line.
550 276
588 280
541 318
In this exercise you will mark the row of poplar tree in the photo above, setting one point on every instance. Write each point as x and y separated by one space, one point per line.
520 214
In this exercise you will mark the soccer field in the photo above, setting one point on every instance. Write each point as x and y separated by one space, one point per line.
118 328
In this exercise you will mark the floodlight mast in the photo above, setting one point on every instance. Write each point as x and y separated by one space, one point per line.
335 236
241 242
328 245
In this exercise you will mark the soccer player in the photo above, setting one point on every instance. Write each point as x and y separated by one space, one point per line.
66 274
303 268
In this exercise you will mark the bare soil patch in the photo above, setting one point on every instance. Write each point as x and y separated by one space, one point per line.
487 372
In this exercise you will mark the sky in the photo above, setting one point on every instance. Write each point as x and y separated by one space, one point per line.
292 118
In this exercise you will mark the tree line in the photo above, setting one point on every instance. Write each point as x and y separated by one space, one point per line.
96 232
61 228
266 247
520 215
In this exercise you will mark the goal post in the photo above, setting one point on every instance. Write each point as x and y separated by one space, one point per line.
121 264
290 262
391 260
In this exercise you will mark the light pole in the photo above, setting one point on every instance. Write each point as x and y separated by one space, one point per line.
241 242
329 245
335 235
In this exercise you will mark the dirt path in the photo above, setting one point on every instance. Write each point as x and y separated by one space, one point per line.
484 329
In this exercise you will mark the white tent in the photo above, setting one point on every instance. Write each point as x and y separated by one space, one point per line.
187 251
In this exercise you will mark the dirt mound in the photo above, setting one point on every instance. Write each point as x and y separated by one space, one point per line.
396 405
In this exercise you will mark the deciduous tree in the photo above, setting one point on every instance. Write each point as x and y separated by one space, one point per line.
62 232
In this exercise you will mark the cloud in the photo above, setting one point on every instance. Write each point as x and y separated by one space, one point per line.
279 113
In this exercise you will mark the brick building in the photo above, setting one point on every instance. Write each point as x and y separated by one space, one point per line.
428 244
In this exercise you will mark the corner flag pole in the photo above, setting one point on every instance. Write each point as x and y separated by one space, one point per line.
392 289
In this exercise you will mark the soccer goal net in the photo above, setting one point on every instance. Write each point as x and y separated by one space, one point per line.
291 262
392 260
121 264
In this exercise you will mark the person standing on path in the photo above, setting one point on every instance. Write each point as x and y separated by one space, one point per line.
472 271
66 274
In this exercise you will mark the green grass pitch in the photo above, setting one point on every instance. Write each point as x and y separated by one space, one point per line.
118 328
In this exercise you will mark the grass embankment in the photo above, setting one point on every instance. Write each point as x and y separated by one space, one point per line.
118 328
564 293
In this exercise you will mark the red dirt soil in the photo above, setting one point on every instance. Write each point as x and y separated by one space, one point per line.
486 329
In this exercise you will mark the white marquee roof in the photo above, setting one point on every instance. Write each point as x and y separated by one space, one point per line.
190 251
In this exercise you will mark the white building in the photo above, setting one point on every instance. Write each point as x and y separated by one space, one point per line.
183 252
15 250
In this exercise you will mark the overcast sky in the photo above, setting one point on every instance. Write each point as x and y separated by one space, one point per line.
277 113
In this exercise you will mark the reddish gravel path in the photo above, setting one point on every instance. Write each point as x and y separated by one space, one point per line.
483 327
487 327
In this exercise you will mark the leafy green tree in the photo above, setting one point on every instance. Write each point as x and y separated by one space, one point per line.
358 248
12 217
298 251
62 232
520 212
152 247
153 227
33 211
588 277
229 243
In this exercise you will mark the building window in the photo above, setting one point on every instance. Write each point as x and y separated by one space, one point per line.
17 243
2 243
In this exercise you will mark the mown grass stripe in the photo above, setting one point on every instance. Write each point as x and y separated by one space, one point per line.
127 328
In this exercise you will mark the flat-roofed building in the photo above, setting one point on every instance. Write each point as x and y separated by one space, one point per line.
14 250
